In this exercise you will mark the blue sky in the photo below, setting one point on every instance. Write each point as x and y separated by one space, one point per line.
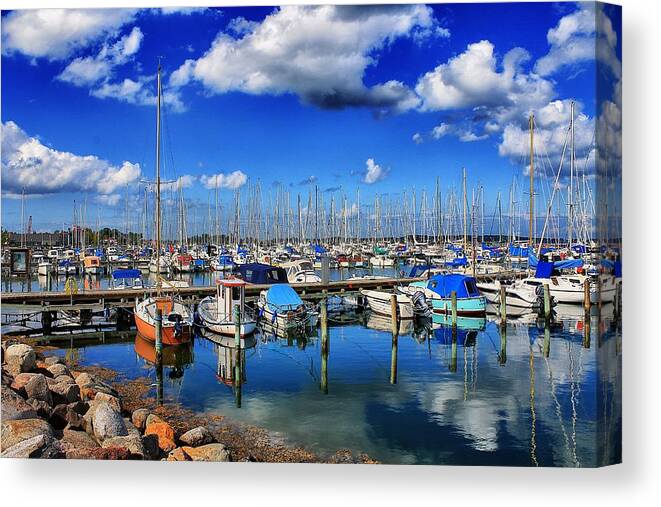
379 98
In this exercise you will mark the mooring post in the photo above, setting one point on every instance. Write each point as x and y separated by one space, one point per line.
158 335
547 302
324 345
503 306
393 359
394 313
453 296
502 357
237 326
547 340
586 296
46 322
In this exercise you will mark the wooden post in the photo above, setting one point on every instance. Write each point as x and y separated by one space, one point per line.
547 340
586 296
453 296
393 359
503 306
453 357
394 313
324 346
158 334
237 326
46 323
547 302
586 331
502 357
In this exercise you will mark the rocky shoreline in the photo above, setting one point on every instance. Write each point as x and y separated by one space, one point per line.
55 409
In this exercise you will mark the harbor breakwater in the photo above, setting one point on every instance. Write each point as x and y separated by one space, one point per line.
54 408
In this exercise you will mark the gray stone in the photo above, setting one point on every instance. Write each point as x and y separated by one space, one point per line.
107 423
113 401
132 442
73 442
18 430
58 369
63 416
91 385
21 357
37 388
42 408
65 393
64 379
209 452
15 407
51 360
153 418
197 437
39 446
139 418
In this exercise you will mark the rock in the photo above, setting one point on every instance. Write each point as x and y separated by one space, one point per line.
112 400
42 408
107 423
197 437
7 378
63 392
110 453
139 418
37 388
179 454
64 416
80 407
39 446
75 442
90 385
209 452
152 418
132 442
20 381
21 357
18 430
164 432
64 379
150 446
51 360
58 369
15 407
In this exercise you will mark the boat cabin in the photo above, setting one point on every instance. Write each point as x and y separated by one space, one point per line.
91 261
231 292
262 273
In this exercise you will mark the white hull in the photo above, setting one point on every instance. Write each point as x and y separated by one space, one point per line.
379 302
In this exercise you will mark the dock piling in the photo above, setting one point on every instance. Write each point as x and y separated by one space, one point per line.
547 303
586 296
453 296
158 335
324 346
503 306
395 314
237 326
547 340
502 356
393 358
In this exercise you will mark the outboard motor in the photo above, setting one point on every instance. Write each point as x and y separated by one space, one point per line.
420 305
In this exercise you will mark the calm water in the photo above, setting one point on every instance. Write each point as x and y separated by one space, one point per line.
527 399
90 282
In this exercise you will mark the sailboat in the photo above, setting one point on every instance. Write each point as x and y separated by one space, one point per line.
176 323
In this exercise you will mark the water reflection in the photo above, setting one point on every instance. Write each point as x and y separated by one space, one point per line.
525 393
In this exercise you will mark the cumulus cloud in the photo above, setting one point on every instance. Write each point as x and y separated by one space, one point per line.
440 130
185 181
374 172
84 71
39 169
417 138
581 36
56 34
233 180
108 200
319 53
469 136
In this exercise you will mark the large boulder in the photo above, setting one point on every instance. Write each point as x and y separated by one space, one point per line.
58 369
113 401
65 379
107 423
64 416
139 418
17 430
51 360
163 431
209 452
15 407
20 381
63 392
20 357
39 446
90 385
132 442
37 388
43 409
76 444
179 454
197 437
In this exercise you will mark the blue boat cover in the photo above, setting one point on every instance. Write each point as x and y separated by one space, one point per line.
444 284
126 273
544 269
566 264
262 273
457 262
282 297
417 271
517 251
319 249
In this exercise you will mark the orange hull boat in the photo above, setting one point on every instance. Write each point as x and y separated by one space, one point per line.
168 337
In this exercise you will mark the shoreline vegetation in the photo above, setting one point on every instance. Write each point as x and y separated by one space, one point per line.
57 408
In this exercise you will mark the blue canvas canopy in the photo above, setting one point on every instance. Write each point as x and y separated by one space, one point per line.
262 273
445 284
544 269
417 271
457 262
241 250
517 251
566 264
282 298
126 273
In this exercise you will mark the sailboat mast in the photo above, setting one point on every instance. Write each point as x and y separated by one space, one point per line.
532 182
465 204
158 175
570 223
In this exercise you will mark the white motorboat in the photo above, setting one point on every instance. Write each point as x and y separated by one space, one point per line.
300 271
216 313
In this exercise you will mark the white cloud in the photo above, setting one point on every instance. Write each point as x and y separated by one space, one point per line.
85 71
374 172
470 136
140 92
440 130
184 181
584 35
108 200
233 180
29 164
184 11
56 34
417 138
319 53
